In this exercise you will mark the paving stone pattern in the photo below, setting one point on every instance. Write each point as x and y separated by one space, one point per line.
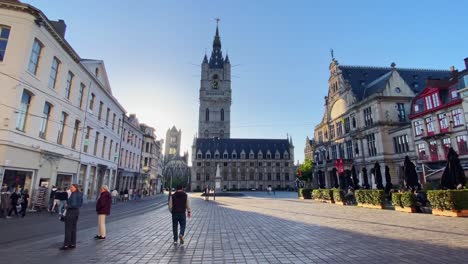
264 230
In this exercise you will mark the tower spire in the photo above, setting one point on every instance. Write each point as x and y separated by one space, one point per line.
216 59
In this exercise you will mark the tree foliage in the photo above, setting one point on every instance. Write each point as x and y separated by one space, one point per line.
304 172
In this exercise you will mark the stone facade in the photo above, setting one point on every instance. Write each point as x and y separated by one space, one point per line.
439 122
151 159
60 123
366 111
309 149
214 119
173 140
244 163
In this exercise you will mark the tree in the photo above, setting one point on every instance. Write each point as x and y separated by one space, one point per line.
305 171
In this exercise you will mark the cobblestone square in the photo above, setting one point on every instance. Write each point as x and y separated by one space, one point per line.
258 228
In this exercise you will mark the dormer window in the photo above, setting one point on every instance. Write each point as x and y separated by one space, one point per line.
234 155
225 156
208 155
216 156
199 156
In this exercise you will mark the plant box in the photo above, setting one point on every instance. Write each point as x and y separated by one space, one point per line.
452 213
301 198
405 209
340 203
365 205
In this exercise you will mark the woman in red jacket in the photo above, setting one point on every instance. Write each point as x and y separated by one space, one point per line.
103 206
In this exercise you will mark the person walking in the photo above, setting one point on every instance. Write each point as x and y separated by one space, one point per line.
56 200
179 203
103 206
4 201
207 193
24 202
52 199
130 194
14 197
115 194
71 217
62 196
126 195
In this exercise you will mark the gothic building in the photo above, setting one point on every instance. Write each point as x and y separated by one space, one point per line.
366 120
244 163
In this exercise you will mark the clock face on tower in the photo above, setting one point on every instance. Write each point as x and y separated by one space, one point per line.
215 84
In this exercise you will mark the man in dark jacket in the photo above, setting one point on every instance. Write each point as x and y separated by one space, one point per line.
178 205
103 206
13 203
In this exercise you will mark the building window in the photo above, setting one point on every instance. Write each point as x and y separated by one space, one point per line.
101 105
347 125
45 120
428 102
216 156
356 148
422 151
35 55
447 144
91 102
443 122
63 123
199 156
207 115
68 84
222 114
419 105
113 121
401 112
103 151
96 141
75 133
401 144
110 149
457 115
454 93
198 177
339 129
107 116
462 146
207 134
278 176
207 177
81 95
286 176
353 119
4 34
418 127
349 149
118 127
334 152
54 72
23 110
371 144
341 150
430 125
332 131
368 116
269 176
208 155
320 137
86 141
435 99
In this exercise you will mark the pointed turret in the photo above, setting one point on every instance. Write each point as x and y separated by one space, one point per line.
226 61
205 59
216 59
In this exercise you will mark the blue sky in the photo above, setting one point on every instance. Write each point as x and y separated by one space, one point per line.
280 52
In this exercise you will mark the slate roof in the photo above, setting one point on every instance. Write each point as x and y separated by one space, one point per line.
365 80
239 144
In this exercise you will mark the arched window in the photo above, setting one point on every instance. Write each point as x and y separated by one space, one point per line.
222 114
221 134
207 115
206 133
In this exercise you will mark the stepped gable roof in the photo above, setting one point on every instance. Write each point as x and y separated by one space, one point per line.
367 80
238 144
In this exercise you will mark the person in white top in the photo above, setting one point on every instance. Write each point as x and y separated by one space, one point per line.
115 193
130 194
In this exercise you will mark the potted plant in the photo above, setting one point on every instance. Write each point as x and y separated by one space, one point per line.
404 202
449 202
339 196
370 198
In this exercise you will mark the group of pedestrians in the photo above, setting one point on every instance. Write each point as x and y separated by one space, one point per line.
58 199
12 200
129 194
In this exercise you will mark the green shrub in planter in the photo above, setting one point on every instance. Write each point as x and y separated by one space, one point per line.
323 194
306 193
338 195
408 199
299 192
448 199
374 197
396 199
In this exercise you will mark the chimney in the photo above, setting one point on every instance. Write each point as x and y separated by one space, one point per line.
466 63
60 27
